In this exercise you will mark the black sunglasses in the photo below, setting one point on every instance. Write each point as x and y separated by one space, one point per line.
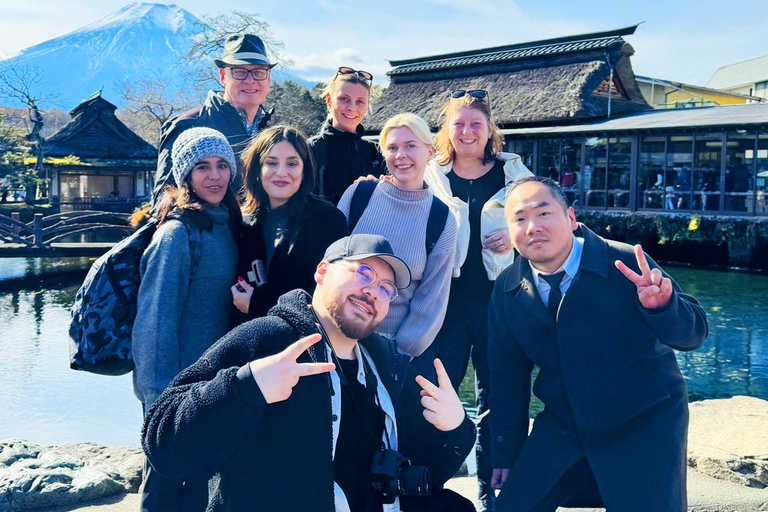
362 75
475 93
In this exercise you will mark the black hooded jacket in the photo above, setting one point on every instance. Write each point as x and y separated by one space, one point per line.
342 157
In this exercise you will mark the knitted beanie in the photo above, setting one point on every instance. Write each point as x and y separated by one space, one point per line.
195 144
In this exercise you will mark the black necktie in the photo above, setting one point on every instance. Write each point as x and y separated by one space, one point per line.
555 295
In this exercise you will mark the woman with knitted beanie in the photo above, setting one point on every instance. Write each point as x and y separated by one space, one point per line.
341 154
286 229
184 297
399 209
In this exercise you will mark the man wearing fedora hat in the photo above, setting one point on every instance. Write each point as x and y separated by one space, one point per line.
237 112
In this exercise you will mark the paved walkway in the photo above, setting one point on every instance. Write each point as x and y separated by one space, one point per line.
705 494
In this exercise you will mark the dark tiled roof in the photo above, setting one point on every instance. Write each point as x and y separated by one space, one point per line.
535 49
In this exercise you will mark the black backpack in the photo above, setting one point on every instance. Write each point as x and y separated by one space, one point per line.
438 212
105 305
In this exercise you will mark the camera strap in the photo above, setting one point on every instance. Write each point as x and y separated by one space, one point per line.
370 382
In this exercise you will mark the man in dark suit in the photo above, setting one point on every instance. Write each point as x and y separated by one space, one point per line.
600 320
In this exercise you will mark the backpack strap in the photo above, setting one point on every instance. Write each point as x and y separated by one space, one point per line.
438 215
195 246
360 199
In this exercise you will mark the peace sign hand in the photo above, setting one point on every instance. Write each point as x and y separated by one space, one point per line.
653 289
277 375
442 407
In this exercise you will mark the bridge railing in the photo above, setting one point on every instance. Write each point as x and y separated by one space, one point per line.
45 230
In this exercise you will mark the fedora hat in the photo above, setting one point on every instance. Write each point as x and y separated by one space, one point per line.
243 50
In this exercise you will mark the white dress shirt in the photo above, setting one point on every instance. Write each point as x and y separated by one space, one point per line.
570 266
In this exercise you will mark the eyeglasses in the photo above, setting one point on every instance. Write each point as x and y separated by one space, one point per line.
365 276
475 93
258 74
362 75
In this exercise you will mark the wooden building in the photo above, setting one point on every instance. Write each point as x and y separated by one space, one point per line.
95 162
573 109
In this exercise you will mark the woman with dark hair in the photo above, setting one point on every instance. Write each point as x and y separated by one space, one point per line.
186 272
286 228
341 154
471 175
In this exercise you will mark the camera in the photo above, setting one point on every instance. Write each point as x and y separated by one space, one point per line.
392 475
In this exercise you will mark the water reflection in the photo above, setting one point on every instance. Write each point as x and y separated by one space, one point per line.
734 358
46 402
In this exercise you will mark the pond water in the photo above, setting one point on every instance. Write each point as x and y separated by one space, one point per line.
46 402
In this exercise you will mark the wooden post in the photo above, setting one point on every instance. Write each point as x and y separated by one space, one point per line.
15 229
38 230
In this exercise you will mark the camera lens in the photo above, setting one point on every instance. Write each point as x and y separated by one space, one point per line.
415 481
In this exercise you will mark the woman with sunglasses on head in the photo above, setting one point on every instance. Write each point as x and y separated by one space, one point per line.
340 152
286 228
403 210
471 175
186 271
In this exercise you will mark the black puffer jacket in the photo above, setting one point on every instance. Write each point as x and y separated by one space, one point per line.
213 421
342 157
215 113
308 234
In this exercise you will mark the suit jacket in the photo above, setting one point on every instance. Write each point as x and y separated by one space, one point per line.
213 421
606 362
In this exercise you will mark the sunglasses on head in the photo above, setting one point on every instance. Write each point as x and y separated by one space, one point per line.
362 75
475 93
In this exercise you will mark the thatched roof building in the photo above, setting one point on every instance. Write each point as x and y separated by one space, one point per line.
558 80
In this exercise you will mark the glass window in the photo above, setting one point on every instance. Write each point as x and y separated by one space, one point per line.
679 169
739 171
652 188
595 155
761 182
524 148
706 172
619 163
549 159
124 186
570 170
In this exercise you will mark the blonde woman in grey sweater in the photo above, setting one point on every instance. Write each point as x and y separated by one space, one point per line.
398 210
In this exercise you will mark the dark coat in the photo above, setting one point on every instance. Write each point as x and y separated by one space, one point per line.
608 378
214 113
342 157
308 234
213 421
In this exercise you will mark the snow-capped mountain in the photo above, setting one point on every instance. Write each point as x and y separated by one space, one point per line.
139 38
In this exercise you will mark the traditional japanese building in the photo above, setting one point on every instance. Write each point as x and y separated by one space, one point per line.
95 162
573 109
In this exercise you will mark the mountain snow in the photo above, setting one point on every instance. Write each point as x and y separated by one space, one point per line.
138 39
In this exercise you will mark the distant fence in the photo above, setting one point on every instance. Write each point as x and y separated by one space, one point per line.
46 230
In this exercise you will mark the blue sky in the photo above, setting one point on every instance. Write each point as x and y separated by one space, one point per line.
680 40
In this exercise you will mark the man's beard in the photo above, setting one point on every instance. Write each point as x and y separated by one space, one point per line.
350 328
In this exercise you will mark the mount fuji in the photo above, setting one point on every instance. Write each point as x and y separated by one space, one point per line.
135 40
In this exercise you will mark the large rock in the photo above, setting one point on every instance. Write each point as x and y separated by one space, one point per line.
33 477
728 439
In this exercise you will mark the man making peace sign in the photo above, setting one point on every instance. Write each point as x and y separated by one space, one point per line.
600 320
301 410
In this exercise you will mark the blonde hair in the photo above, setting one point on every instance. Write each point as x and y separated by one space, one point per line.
443 147
334 86
416 124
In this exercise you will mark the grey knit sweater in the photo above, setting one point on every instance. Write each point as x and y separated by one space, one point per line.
400 216
177 320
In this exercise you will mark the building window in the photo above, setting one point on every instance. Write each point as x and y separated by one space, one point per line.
679 169
594 174
560 160
654 189
706 176
619 165
740 172
761 182
524 148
